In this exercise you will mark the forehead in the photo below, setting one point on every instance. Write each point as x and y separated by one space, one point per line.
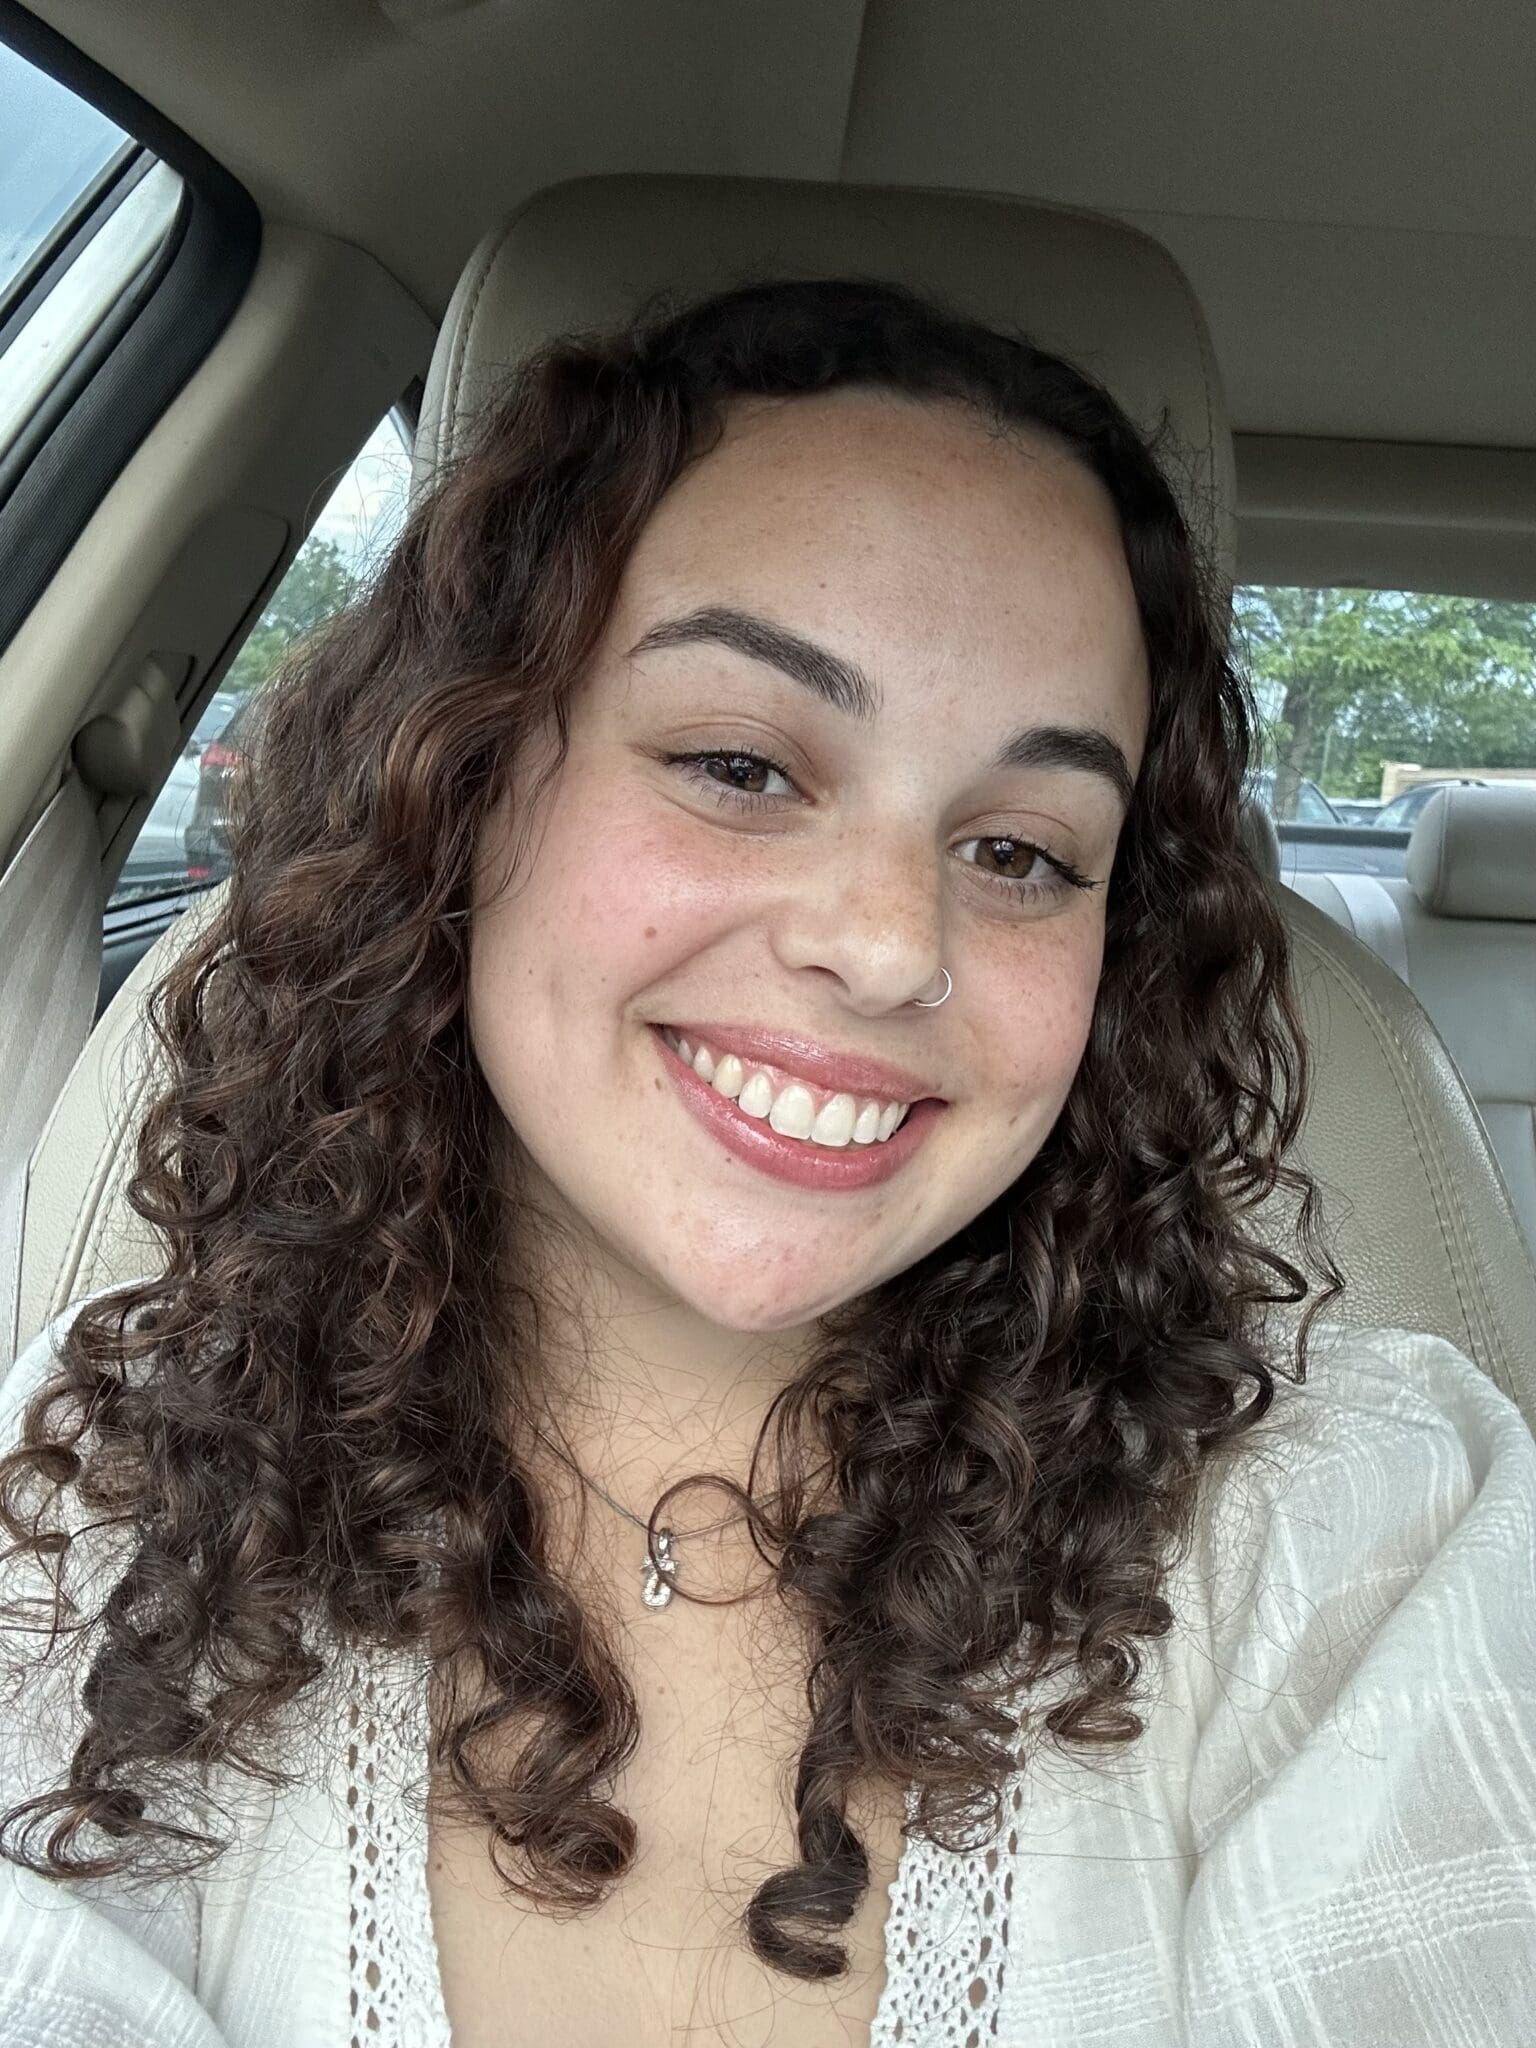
912 537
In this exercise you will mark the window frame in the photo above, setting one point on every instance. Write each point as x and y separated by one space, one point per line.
89 424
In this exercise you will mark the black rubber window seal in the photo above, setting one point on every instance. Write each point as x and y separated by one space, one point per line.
170 316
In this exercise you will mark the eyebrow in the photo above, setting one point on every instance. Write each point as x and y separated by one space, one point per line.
845 686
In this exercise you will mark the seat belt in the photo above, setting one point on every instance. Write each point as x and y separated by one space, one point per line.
1376 918
50 977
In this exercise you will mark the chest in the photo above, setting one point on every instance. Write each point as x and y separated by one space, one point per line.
662 1960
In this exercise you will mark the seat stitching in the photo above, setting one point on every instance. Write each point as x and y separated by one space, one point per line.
461 350
1459 1241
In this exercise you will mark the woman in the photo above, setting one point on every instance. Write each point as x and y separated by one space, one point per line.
716 1453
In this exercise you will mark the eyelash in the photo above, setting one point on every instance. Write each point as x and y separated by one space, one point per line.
1070 877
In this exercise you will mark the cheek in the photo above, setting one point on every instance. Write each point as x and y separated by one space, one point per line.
1037 992
613 896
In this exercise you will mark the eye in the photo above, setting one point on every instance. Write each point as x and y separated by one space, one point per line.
1020 858
738 763
1017 858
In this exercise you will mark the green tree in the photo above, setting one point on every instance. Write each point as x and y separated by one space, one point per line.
1346 679
319 583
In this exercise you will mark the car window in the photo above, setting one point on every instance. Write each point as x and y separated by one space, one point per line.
58 146
84 208
1365 694
182 842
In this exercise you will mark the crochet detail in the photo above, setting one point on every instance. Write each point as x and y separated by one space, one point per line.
396 1986
946 1931
946 1941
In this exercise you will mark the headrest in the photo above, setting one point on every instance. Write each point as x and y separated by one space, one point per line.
1472 852
589 254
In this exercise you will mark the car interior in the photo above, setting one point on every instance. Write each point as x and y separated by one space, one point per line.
285 252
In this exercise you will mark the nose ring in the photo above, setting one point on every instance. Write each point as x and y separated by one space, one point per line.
934 1004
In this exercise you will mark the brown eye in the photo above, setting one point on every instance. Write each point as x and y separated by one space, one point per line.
744 771
1015 869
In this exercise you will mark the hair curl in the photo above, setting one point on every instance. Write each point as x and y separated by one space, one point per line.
305 1412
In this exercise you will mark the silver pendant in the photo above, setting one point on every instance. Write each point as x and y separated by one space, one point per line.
659 1571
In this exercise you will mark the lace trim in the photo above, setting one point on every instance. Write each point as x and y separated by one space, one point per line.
946 1942
947 1922
395 1983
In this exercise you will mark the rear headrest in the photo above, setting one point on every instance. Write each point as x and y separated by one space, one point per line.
1472 852
589 254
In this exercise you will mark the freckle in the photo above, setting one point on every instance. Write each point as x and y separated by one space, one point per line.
650 931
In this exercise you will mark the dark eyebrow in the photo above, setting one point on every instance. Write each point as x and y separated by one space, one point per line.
845 686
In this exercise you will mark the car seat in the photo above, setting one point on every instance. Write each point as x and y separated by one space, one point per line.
1460 928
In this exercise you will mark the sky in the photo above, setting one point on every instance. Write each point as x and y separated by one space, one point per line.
51 146
364 512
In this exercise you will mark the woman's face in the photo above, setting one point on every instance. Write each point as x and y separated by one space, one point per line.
882 600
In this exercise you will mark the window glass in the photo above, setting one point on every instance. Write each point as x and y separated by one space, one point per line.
56 146
182 842
83 209
1366 696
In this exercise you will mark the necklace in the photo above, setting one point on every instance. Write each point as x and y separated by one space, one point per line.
658 1574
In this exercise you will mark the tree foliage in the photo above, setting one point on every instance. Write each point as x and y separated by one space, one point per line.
1347 679
319 582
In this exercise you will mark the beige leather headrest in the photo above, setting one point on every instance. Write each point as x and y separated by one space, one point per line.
1473 851
589 254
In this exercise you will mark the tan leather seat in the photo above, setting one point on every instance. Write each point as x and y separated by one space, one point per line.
1420 1219
1460 929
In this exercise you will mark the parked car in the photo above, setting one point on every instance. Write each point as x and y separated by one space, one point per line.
158 859
1408 805
1356 810
1312 807
219 764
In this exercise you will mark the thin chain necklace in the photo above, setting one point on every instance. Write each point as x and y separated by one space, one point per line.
659 1572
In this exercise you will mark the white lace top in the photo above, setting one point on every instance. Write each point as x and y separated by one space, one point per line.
1327 1833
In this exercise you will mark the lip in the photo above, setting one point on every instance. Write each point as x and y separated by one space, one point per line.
754 1140
842 1072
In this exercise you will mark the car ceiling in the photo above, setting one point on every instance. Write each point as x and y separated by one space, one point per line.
1352 189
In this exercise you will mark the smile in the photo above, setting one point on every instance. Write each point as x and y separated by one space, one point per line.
788 1127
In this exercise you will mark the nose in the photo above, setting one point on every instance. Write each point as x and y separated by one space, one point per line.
869 912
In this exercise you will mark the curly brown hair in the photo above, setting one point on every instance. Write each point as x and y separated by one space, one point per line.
305 1414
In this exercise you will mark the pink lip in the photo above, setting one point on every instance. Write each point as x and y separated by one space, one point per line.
803 1165
842 1072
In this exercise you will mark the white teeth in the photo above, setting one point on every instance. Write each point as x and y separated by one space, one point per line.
867 1129
756 1098
792 1111
834 1121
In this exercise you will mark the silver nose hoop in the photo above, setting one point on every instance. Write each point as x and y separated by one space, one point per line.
936 1000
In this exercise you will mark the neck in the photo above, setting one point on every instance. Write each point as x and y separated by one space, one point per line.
641 1391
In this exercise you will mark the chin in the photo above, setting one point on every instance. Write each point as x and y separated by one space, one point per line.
723 1301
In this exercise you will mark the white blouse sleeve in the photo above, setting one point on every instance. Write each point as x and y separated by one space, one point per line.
82 1965
1363 1791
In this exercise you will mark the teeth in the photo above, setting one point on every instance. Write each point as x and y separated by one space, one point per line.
834 1122
756 1098
867 1129
792 1111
